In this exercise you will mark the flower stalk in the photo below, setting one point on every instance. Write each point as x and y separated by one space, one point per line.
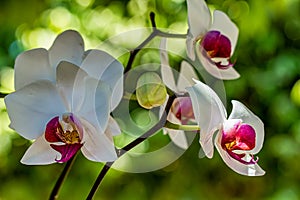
182 127
62 177
2 95
155 32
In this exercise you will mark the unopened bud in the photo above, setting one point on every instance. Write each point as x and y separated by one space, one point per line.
150 92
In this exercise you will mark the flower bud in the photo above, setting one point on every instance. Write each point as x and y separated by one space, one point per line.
150 92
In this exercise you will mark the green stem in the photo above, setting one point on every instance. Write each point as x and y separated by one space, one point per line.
62 177
2 95
155 32
182 127
129 96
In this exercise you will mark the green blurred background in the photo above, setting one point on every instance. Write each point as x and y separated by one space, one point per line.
268 59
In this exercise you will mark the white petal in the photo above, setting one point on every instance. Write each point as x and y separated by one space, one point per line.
31 66
162 107
70 81
223 24
104 67
240 111
68 46
201 153
177 136
190 46
166 70
96 104
248 170
40 153
97 147
209 113
31 107
113 127
186 76
199 17
223 74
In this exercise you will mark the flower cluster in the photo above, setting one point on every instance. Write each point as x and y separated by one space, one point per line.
240 136
65 95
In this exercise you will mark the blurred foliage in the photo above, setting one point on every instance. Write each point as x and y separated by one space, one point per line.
268 59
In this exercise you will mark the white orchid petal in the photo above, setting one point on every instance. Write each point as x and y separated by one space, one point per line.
172 118
190 47
96 146
162 107
68 46
208 105
166 70
240 111
31 107
104 67
223 74
96 104
201 153
40 153
113 127
113 76
186 76
177 136
209 113
199 17
31 66
244 169
70 81
224 24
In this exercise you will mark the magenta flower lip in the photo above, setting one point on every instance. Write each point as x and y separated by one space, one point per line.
216 45
240 136
217 48
67 132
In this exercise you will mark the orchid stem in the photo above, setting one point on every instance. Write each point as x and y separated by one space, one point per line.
155 32
131 145
2 95
182 127
100 177
129 96
62 177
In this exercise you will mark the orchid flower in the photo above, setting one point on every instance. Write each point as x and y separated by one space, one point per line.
237 138
215 40
63 101
181 110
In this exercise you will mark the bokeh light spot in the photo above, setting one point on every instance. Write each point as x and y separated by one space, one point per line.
60 17
295 93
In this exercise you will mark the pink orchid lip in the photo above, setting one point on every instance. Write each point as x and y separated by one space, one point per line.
217 48
182 109
68 131
238 136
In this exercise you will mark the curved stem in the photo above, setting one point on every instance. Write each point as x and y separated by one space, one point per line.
128 147
155 32
62 177
2 95
182 127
